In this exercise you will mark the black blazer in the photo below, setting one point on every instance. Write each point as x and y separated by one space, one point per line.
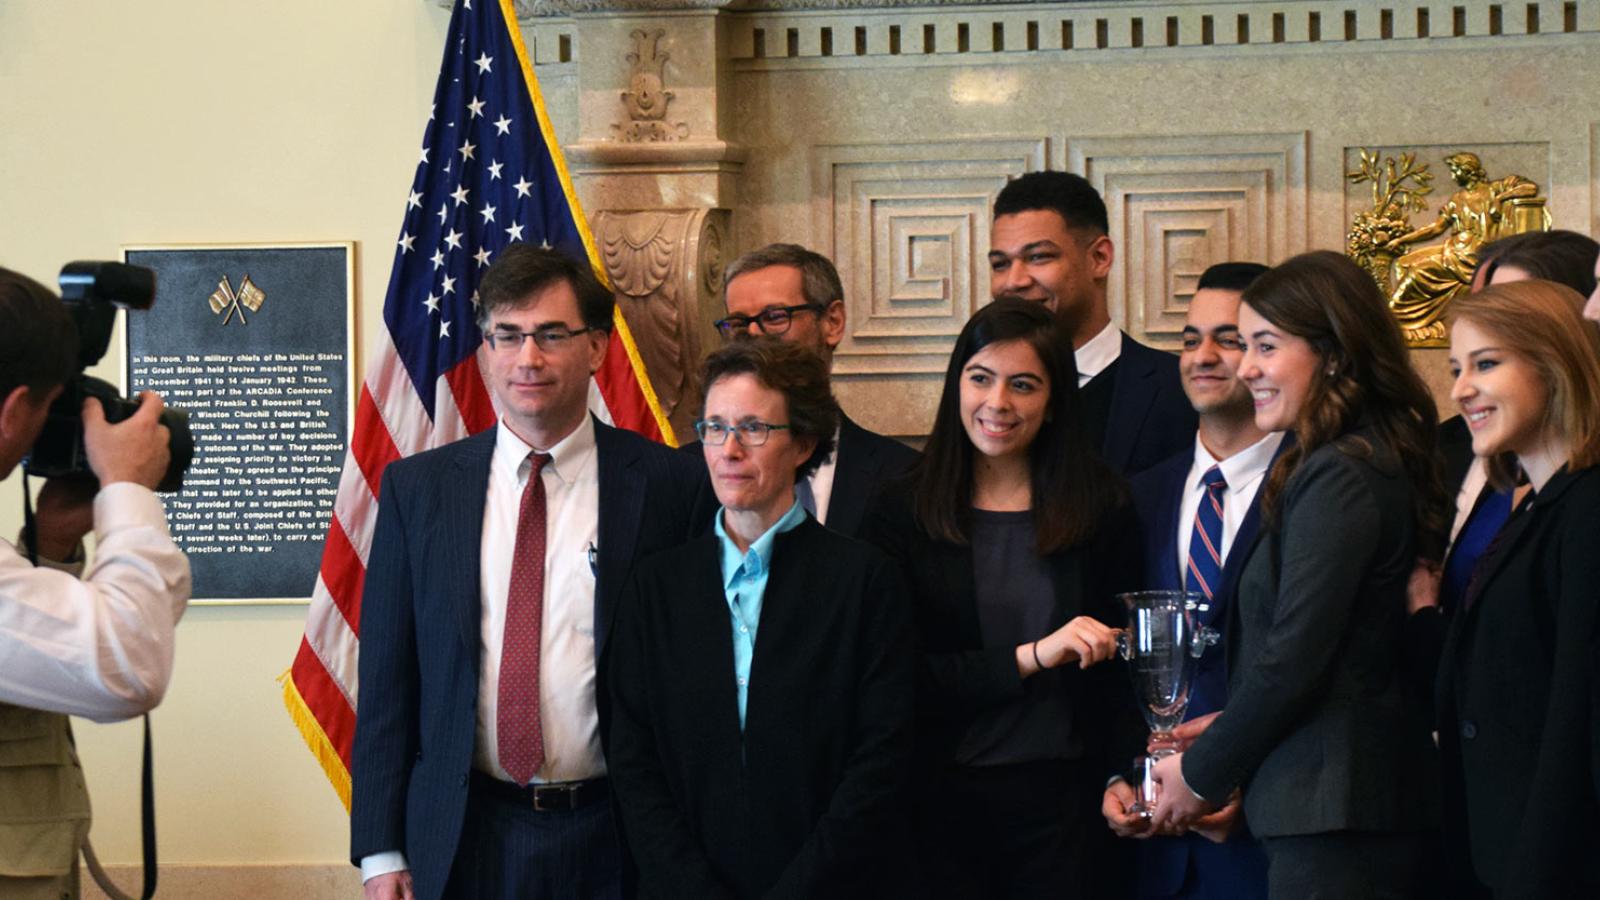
416 722
808 800
1519 698
864 460
1318 727
957 677
1150 418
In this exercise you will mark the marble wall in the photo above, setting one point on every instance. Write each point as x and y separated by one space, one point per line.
879 134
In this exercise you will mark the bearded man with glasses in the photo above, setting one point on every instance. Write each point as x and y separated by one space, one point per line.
496 568
794 295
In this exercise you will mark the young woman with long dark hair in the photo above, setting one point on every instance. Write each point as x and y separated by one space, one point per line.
1007 531
1318 727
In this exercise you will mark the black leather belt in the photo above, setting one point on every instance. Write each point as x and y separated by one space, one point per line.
559 796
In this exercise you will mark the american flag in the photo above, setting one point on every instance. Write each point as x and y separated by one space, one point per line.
489 173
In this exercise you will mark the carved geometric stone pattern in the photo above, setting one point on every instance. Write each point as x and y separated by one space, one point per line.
1177 205
908 228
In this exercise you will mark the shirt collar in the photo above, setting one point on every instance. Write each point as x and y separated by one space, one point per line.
567 457
1099 353
758 559
1239 469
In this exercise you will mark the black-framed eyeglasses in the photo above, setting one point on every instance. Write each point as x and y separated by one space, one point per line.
772 320
751 433
548 340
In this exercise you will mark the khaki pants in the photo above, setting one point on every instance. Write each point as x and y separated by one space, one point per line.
59 887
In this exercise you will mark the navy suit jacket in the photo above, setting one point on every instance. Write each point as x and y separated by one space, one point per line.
1150 418
416 720
865 461
1236 868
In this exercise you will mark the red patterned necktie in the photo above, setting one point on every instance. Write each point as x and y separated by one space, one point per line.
519 737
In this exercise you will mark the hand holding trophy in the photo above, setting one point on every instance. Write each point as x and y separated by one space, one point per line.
1162 643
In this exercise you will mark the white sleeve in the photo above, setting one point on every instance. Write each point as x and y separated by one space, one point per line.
382 864
99 647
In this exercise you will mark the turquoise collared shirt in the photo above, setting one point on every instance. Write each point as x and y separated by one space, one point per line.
744 581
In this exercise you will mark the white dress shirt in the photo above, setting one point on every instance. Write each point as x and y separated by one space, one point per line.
567 712
99 647
566 644
1471 486
1244 472
822 480
1096 356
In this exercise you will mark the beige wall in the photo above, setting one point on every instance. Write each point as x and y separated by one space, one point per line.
212 121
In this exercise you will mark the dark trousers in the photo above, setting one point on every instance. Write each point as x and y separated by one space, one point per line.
1345 865
1017 831
509 851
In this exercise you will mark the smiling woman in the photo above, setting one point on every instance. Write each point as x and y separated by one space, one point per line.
1318 728
1010 532
1518 728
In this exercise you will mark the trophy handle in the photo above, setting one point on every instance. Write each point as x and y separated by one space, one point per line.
1204 637
1124 645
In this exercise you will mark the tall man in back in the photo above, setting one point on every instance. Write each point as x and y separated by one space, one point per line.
793 294
496 567
1199 520
1050 243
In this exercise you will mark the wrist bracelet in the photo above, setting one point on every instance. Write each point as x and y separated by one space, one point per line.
1036 656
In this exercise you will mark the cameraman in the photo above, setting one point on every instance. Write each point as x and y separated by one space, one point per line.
96 644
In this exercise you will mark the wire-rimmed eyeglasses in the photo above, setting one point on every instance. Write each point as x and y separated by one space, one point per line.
548 340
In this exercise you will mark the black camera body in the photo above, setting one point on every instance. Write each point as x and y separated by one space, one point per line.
93 292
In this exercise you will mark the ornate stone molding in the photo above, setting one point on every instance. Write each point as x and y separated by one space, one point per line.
666 268
544 9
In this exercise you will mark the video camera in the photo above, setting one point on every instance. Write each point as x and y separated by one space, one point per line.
93 292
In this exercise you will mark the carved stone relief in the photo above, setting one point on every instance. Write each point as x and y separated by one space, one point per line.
1178 205
646 99
666 268
908 227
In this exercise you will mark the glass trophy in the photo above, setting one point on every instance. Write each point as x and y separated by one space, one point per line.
1162 643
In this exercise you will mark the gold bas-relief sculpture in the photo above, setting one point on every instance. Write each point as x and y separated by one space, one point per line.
224 298
1419 283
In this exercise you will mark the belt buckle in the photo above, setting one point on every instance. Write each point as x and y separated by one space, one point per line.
542 791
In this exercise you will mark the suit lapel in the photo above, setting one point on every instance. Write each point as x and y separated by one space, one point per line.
622 493
462 515
1244 540
1503 547
1132 394
854 460
1171 574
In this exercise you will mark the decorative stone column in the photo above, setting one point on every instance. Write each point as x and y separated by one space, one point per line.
656 172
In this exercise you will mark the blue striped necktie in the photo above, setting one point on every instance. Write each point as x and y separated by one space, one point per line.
1204 570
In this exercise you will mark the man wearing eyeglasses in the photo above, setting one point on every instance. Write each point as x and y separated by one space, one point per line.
496 566
787 292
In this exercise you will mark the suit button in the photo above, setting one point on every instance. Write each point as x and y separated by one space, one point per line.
463 781
1469 730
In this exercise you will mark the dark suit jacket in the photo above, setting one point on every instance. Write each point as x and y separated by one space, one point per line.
864 461
1235 868
1318 728
957 676
416 720
1519 698
1149 418
808 801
